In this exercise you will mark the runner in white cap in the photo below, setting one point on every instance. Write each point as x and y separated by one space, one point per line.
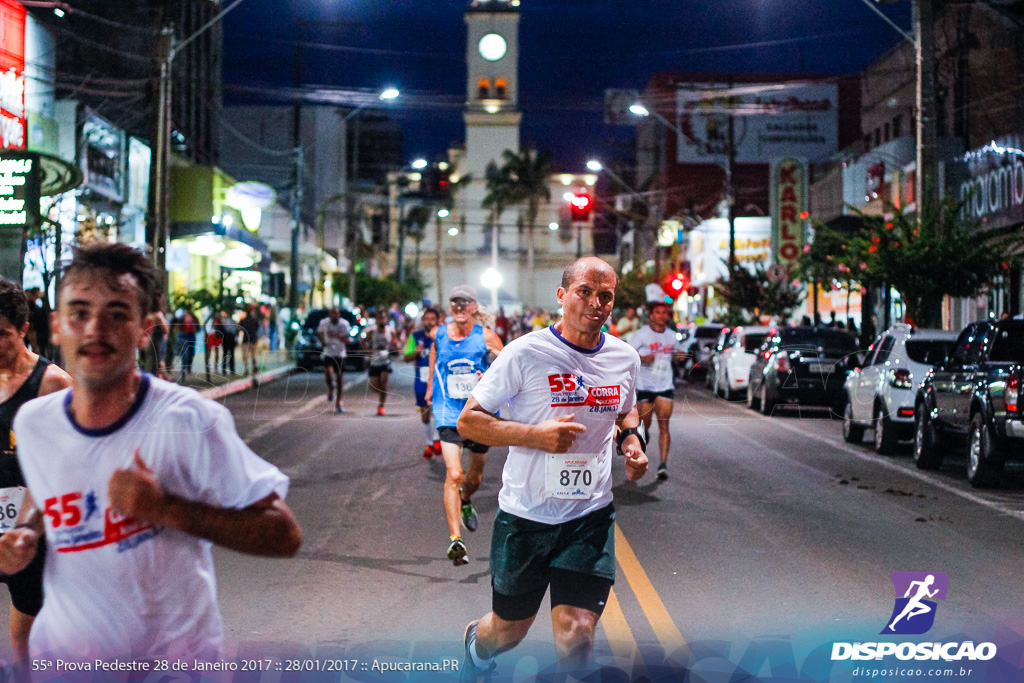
462 350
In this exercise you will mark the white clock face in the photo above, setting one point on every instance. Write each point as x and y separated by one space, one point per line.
492 47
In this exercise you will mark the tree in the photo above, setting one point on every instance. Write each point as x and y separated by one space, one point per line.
630 293
526 182
749 294
946 253
498 198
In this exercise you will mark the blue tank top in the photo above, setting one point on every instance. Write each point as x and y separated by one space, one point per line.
455 368
422 360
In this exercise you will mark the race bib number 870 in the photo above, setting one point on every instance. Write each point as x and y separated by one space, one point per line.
570 476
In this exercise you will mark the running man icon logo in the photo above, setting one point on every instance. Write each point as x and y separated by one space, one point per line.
916 592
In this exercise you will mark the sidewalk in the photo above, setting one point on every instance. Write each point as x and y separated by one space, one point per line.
270 366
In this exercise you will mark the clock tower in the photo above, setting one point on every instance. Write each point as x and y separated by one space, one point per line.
492 83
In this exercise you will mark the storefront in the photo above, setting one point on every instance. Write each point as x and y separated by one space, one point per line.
989 181
213 246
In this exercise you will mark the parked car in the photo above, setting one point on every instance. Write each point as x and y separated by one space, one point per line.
970 401
880 395
720 345
701 343
804 366
308 347
731 365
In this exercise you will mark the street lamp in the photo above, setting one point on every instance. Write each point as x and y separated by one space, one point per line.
729 190
386 94
491 279
419 164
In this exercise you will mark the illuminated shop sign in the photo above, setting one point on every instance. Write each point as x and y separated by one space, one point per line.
19 189
12 75
789 209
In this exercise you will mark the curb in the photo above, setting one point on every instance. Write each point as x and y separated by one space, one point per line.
239 385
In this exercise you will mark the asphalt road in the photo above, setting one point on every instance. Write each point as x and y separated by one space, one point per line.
771 540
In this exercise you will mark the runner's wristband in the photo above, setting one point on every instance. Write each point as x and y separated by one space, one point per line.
638 431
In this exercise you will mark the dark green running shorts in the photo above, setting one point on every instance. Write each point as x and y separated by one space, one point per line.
524 552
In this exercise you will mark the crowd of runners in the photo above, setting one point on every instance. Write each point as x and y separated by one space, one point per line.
564 398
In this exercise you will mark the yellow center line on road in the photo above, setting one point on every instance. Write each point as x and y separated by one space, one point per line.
665 629
616 629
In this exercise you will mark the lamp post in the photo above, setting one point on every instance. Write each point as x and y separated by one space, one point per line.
347 218
639 109
492 279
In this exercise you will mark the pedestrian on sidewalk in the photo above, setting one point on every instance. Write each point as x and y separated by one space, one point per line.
249 326
564 392
188 327
228 329
213 341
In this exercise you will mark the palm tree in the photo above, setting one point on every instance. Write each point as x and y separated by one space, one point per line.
500 195
526 179
454 186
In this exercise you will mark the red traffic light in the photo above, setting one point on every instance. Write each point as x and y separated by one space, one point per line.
675 284
581 205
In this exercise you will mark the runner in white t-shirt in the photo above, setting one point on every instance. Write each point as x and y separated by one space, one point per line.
657 344
562 391
134 479
334 335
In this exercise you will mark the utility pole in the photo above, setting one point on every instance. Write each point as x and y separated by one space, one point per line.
926 174
157 220
293 289
730 187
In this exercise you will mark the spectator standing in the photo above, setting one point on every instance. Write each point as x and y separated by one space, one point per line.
250 328
188 327
228 329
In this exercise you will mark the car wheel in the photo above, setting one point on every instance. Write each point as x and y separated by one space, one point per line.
983 469
852 433
766 406
885 433
752 402
926 453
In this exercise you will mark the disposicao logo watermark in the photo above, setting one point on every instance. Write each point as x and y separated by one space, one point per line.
916 593
913 614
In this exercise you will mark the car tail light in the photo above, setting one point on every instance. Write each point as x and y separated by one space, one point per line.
782 363
905 412
901 379
1012 393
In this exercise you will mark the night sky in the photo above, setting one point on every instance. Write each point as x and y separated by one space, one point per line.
571 50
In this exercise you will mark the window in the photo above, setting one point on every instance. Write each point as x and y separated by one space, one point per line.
887 131
897 126
878 136
867 141
501 89
483 89
884 350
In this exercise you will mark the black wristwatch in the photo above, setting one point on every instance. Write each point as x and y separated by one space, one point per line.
638 431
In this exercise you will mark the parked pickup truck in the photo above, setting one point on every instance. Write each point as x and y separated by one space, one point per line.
971 401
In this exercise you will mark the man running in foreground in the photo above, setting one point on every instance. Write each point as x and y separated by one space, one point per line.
136 479
562 390
24 375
